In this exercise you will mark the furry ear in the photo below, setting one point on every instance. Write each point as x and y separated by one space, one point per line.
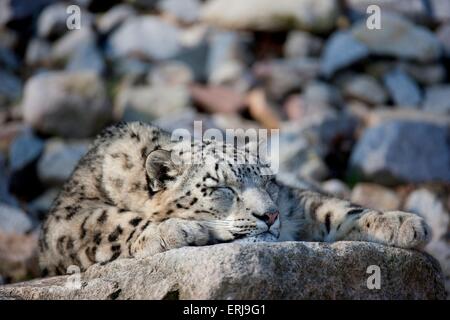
160 169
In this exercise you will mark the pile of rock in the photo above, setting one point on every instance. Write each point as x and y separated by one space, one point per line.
363 112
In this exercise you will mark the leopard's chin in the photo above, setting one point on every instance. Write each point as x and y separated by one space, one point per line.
262 237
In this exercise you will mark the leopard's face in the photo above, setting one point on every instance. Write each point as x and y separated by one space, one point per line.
231 192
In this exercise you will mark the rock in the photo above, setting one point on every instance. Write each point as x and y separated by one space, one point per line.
18 256
374 196
58 102
426 74
225 58
41 205
147 36
288 270
8 59
282 76
10 88
52 21
58 161
302 44
398 38
147 103
403 150
131 68
431 208
443 34
441 10
87 58
13 10
413 9
437 99
69 44
114 17
13 220
24 150
319 94
38 53
341 51
337 188
5 196
309 15
217 98
186 11
403 89
365 88
171 73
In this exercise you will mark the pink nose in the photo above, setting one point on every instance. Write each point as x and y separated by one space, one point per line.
270 217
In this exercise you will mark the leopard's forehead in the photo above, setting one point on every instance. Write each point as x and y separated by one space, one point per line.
225 161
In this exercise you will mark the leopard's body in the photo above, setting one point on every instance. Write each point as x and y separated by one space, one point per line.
129 198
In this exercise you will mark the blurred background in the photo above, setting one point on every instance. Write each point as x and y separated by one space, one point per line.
363 113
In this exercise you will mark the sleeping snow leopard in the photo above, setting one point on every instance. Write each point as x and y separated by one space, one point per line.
129 198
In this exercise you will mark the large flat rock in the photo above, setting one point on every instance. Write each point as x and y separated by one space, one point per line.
287 270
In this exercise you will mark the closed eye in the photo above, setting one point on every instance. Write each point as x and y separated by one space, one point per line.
222 189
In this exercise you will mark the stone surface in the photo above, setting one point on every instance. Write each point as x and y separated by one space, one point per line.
13 10
24 150
399 38
289 270
87 58
408 150
365 88
58 160
443 34
52 21
114 17
38 52
13 220
186 11
225 57
10 88
302 44
58 102
437 99
310 15
147 103
147 36
375 196
282 76
403 89
341 50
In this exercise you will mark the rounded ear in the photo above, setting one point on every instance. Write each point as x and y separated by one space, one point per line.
160 169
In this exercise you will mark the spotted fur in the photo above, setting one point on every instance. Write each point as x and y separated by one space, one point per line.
128 197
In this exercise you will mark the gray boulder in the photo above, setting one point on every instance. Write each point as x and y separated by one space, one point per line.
66 104
148 36
10 88
408 150
341 50
437 99
13 220
288 270
399 38
268 15
58 161
403 89
24 150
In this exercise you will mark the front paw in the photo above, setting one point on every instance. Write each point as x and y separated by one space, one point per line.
399 229
177 233
414 232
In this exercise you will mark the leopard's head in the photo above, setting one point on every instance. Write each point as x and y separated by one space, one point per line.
229 189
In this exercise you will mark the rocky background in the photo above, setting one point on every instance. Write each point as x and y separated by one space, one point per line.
363 114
